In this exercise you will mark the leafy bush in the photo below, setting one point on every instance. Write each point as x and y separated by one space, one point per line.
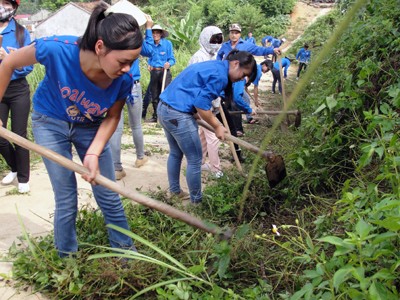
274 26
352 151
185 33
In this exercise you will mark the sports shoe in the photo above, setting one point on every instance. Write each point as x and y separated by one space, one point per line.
218 174
23 188
120 174
181 195
205 167
297 78
141 162
239 133
9 178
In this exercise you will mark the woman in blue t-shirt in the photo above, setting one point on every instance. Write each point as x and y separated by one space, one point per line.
79 103
16 101
191 93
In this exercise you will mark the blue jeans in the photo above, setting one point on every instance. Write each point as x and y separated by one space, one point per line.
59 136
134 114
181 130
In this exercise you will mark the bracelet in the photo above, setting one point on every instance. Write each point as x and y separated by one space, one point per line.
87 154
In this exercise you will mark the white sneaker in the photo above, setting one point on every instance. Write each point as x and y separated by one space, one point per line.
206 167
218 174
23 188
9 178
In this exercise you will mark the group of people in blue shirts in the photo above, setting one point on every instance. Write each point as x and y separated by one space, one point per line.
87 82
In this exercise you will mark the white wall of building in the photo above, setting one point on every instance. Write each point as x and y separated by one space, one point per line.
70 20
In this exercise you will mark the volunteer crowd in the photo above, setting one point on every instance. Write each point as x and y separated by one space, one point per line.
90 79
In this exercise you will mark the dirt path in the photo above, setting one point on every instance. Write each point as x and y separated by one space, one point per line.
35 209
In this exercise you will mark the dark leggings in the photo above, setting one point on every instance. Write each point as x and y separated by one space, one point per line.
301 65
230 122
17 101
146 102
156 78
277 78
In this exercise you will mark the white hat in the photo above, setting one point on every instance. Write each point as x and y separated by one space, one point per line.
125 7
158 27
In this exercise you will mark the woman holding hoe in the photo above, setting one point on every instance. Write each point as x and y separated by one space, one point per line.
79 103
191 93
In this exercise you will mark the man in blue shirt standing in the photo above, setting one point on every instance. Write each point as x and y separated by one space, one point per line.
250 38
162 59
236 42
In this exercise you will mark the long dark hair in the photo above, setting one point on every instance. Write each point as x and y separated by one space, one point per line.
118 31
246 60
19 29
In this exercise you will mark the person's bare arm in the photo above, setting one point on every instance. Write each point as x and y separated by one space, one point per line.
22 57
209 117
103 134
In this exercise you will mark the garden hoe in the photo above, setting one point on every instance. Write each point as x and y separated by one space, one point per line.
112 185
275 167
297 113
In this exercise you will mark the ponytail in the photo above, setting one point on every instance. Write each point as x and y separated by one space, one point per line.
19 29
117 31
20 34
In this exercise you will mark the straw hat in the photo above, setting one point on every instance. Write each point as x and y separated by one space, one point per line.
158 27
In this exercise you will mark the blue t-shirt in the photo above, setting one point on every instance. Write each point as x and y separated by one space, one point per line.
197 86
243 46
65 92
161 53
276 43
285 66
266 38
303 55
250 40
259 74
238 91
10 43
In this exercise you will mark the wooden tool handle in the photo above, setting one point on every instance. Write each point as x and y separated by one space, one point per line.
231 146
268 155
164 78
139 198
267 112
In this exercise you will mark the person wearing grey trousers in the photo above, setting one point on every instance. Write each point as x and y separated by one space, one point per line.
134 105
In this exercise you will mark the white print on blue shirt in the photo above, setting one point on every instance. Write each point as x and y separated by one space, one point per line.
90 108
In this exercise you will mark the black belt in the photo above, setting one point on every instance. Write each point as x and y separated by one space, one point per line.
136 81
169 106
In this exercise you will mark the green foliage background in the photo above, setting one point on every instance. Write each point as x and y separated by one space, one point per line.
262 17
